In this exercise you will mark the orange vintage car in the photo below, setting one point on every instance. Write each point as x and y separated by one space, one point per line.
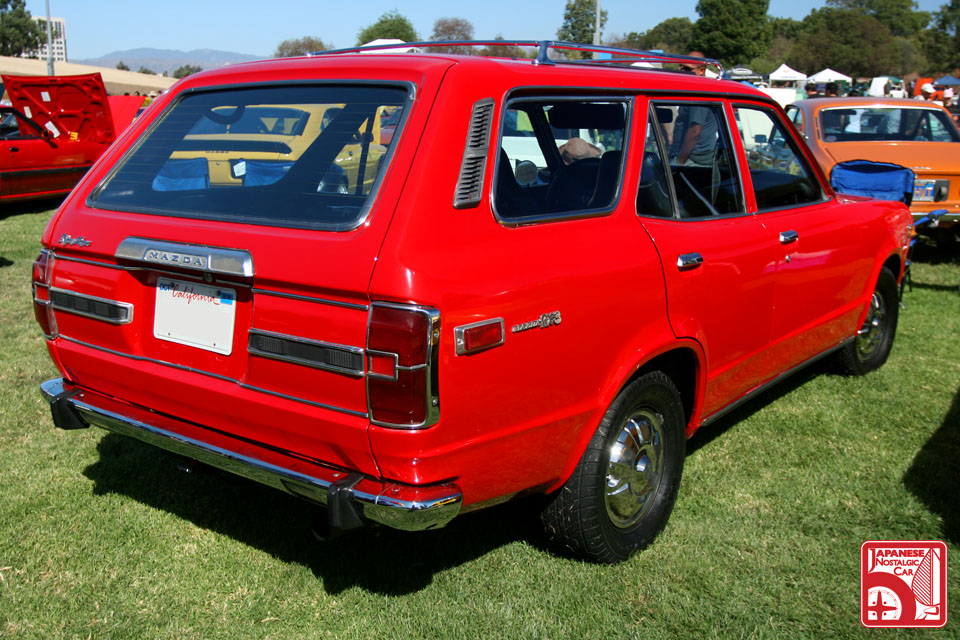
913 133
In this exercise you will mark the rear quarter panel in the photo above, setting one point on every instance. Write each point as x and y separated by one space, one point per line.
515 416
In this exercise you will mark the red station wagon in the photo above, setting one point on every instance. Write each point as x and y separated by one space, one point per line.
548 277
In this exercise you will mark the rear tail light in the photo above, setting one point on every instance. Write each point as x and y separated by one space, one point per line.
402 365
42 309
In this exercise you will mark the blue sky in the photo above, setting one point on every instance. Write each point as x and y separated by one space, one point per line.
97 27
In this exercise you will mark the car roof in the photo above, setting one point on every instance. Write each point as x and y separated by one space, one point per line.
815 104
490 71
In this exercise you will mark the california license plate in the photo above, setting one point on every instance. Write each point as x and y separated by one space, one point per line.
924 190
196 315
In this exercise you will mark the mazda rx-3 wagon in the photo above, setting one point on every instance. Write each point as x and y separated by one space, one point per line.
407 286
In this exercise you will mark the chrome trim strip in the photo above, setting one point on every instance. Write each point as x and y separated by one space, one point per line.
713 417
242 385
294 296
400 506
127 307
232 262
156 269
358 373
458 332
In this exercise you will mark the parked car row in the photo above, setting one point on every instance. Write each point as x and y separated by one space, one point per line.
542 279
54 130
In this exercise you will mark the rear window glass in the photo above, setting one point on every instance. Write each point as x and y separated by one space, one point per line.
302 156
899 124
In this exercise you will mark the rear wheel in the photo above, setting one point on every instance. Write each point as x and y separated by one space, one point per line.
623 489
872 344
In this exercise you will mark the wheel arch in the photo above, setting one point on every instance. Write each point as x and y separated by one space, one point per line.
682 361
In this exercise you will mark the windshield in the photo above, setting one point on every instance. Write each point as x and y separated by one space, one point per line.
303 156
865 124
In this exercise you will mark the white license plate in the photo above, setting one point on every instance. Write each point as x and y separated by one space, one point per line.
924 190
195 314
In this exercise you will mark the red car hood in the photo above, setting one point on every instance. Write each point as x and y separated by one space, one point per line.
68 107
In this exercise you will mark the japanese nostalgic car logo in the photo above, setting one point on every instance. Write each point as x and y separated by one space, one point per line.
545 320
67 240
180 259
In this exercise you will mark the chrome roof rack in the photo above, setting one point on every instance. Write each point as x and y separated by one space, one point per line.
618 57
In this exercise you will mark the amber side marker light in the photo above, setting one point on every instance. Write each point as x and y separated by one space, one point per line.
479 336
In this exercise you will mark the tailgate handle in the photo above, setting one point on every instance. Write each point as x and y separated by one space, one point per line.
786 237
689 261
232 262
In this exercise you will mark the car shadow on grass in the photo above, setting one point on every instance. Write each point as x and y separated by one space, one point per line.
933 477
380 560
706 435
10 209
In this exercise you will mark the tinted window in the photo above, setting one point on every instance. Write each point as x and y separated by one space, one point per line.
292 156
858 124
701 158
653 189
559 158
779 173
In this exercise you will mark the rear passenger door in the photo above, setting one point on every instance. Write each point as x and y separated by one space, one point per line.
820 263
716 258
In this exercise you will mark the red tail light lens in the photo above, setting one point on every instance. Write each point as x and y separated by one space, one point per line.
42 310
401 365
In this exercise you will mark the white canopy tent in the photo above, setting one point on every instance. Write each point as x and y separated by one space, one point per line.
829 75
786 74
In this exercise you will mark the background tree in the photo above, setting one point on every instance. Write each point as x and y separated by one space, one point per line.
452 29
837 38
18 32
300 46
507 51
579 23
122 66
900 16
143 69
733 32
389 25
186 70
673 35
941 44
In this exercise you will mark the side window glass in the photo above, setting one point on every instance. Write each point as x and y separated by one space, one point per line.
559 158
653 190
702 161
780 175
796 117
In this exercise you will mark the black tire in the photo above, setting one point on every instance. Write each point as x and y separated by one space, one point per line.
871 346
598 514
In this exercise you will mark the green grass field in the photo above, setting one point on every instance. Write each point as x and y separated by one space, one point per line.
103 537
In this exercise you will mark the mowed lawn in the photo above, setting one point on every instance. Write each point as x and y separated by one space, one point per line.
103 537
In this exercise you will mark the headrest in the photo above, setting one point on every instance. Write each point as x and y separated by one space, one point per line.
586 115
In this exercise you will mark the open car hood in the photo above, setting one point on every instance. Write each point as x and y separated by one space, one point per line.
70 108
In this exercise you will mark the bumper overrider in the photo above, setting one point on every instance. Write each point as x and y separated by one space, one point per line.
351 499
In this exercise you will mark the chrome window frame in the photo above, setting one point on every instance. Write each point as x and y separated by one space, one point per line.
365 210
553 94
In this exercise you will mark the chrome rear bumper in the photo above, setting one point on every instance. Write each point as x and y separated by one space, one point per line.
350 497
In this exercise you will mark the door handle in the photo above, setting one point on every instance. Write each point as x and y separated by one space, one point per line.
688 261
14 149
786 237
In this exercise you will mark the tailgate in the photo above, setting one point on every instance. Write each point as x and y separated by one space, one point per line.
221 278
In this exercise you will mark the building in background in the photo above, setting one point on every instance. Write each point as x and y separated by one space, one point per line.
59 32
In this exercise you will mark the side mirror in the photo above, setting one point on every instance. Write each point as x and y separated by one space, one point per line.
760 138
526 173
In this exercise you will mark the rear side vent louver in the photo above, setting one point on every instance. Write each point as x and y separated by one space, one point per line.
470 183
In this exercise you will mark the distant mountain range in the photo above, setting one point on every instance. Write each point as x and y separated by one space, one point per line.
169 60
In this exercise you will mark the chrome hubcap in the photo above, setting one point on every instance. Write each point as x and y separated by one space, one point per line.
635 468
871 333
